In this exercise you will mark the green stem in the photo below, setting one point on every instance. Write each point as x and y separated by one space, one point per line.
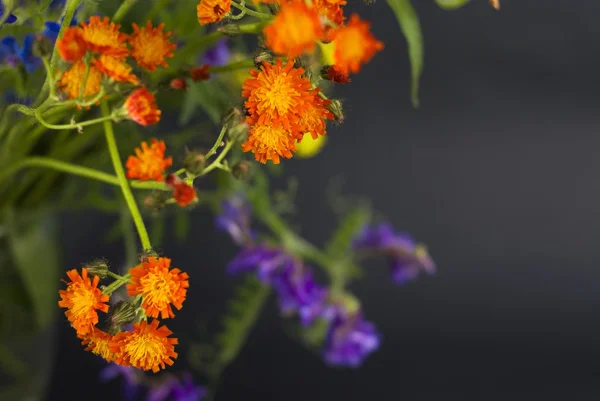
239 65
38 116
122 10
118 166
116 284
48 72
114 275
251 12
217 143
215 164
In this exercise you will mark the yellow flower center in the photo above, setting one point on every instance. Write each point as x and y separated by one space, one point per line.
145 350
278 95
158 289
83 301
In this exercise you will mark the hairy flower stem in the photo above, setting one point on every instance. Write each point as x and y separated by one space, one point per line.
123 10
248 11
118 166
116 284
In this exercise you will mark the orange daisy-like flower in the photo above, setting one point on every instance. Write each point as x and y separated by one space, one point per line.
211 11
146 347
270 142
141 107
150 46
71 46
354 45
149 162
71 80
82 298
313 118
98 342
333 12
294 30
159 286
103 36
183 194
276 94
115 68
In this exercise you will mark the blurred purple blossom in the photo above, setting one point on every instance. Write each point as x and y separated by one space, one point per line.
132 379
350 339
235 219
407 258
217 55
186 390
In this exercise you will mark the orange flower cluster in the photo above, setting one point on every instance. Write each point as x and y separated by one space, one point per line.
297 27
149 47
282 107
211 11
150 164
147 346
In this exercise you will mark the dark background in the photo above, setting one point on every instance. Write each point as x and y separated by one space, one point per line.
496 173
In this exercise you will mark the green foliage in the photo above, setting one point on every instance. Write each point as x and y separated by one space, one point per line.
239 319
451 4
411 27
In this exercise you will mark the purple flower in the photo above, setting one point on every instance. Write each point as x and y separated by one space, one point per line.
11 18
9 51
162 390
187 391
298 292
407 258
217 55
263 260
131 379
350 339
235 219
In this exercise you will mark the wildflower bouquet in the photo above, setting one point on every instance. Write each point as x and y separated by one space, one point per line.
145 107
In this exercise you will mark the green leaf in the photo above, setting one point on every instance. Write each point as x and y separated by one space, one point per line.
409 23
33 244
242 313
451 4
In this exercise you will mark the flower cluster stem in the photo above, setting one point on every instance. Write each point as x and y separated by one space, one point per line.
123 10
118 166
250 12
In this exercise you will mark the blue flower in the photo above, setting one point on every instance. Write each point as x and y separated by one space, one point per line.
187 391
29 60
407 258
10 96
217 55
11 18
262 259
132 381
235 219
350 339
9 51
52 29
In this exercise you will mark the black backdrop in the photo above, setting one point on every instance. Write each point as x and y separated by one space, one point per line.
497 173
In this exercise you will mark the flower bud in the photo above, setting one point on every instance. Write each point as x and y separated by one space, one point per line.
42 47
241 170
178 84
239 132
200 73
335 107
263 57
334 74
194 162
230 29
121 314
232 116
148 253
156 201
98 267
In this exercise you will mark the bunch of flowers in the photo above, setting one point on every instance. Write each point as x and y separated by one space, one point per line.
102 83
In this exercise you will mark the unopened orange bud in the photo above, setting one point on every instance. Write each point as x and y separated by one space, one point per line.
178 84
200 73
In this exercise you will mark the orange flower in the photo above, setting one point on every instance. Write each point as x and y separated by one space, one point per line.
72 80
334 73
82 298
115 68
98 342
354 45
141 107
146 347
159 286
150 46
333 12
103 36
149 162
313 118
71 46
211 11
183 193
276 94
270 142
294 30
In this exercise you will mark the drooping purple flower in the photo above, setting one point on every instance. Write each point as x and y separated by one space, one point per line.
235 219
350 339
217 55
131 384
162 390
407 258
299 292
262 259
186 390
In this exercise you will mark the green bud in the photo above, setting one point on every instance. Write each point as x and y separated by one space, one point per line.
120 314
156 201
193 162
239 131
148 253
42 47
98 267
336 109
241 170
263 57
